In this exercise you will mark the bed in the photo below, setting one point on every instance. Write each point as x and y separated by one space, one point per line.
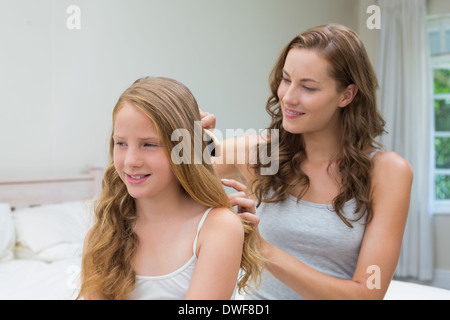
42 227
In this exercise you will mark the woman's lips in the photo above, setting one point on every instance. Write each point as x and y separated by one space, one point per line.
289 113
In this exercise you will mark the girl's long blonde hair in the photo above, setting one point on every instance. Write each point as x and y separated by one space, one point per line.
107 261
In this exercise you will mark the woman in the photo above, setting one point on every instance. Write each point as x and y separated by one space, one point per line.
163 230
331 219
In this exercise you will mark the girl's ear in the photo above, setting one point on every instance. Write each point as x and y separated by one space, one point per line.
348 95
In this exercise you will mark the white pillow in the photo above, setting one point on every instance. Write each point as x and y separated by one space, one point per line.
7 234
61 251
38 229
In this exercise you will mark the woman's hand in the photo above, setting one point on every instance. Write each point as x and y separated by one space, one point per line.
246 210
246 207
208 120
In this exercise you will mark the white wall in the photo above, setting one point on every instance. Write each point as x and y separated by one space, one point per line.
58 86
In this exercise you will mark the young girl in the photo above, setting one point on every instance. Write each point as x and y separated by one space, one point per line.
163 230
331 219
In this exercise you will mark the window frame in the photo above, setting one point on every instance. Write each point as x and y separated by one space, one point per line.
439 60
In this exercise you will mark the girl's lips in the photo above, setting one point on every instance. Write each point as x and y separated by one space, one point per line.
137 179
289 113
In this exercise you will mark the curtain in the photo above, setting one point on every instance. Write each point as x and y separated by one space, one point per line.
404 74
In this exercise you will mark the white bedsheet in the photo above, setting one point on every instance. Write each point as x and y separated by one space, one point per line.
402 290
39 280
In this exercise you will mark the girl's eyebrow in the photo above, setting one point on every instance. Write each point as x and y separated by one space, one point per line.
301 80
142 139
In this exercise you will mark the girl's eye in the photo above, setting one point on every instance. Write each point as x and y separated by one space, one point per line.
150 145
309 88
120 144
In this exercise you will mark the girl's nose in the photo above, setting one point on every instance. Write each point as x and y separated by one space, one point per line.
133 158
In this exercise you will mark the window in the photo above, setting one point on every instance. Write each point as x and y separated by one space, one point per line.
439 39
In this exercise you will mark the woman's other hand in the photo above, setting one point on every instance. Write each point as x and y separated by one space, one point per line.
208 120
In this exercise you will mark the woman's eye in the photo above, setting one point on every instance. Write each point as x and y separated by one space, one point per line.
120 144
285 80
309 88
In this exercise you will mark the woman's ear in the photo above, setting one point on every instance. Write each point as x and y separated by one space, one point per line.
348 95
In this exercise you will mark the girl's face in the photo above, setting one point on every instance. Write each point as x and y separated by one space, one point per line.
139 156
308 95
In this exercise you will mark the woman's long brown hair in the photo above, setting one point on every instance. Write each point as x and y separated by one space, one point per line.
361 122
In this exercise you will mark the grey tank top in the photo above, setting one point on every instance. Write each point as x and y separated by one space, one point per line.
313 234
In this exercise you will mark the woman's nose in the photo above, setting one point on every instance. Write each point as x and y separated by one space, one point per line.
291 96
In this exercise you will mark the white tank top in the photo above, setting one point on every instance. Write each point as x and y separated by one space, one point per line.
172 286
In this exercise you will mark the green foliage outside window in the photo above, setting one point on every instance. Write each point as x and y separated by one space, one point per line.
442 114
442 147
442 126
442 187
442 81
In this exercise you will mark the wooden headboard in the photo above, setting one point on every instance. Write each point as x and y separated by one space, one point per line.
33 192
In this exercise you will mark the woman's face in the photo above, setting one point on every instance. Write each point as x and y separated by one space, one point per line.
308 96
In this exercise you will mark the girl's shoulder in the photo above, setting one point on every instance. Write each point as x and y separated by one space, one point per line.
221 228
222 221
219 218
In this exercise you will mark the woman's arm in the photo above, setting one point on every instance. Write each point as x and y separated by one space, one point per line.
235 154
219 252
392 179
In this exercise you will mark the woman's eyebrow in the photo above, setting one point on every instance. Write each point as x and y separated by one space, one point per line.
285 73
309 80
303 79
